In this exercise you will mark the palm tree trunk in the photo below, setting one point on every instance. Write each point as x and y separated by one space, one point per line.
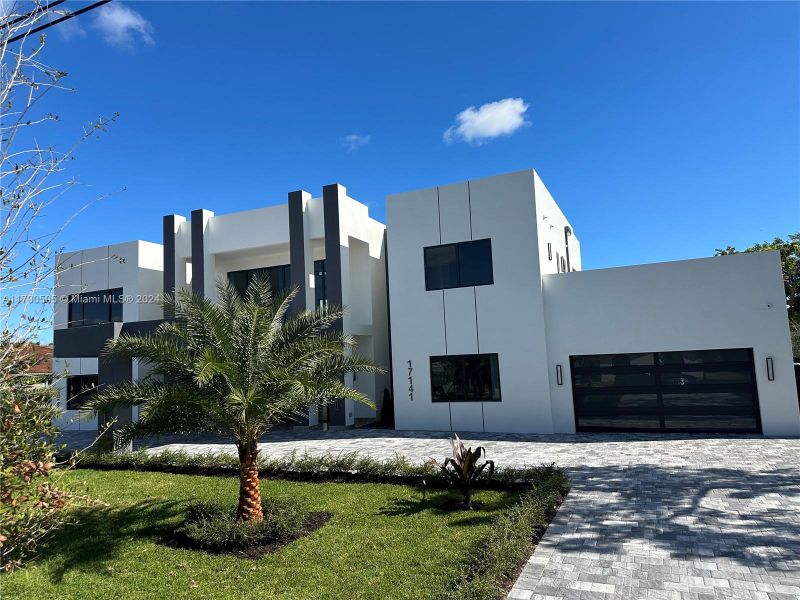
249 508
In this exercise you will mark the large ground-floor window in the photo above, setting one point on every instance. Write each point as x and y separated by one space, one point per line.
690 390
465 378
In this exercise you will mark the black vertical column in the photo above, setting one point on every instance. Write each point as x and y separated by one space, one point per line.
297 255
297 262
169 259
198 259
337 416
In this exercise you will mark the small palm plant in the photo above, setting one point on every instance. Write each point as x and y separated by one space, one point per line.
235 367
465 468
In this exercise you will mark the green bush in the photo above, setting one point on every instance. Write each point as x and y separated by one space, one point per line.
493 567
344 466
213 526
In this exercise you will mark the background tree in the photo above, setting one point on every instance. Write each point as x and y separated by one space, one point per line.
32 178
235 367
790 262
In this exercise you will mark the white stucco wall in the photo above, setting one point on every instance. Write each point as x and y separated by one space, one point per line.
136 267
506 318
723 302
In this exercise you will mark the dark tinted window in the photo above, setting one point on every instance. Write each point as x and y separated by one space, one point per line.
441 267
280 277
475 263
94 308
465 377
79 390
320 293
458 265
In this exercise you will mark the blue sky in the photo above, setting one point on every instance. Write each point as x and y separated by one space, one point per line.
663 130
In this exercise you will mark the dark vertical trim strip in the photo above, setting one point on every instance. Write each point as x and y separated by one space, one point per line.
337 411
297 257
469 205
333 252
477 332
169 259
198 259
388 318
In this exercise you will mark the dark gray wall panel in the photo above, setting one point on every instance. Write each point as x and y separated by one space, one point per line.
83 342
297 258
198 260
169 256
333 278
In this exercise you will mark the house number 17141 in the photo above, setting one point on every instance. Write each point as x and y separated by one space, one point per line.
410 382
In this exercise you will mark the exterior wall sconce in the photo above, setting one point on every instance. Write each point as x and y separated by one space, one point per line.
549 251
770 369
559 375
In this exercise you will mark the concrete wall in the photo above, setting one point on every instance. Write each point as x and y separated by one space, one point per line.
724 302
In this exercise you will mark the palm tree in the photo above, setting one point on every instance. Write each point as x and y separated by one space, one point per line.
236 367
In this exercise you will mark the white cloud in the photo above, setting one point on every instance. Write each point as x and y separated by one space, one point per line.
70 29
122 26
478 125
354 141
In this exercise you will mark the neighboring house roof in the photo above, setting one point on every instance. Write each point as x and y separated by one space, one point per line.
44 360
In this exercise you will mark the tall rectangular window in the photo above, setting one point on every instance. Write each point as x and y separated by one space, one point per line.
94 308
320 293
79 390
464 264
465 378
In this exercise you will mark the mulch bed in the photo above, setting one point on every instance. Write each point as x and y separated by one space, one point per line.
314 521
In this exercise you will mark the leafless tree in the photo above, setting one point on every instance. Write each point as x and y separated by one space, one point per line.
32 178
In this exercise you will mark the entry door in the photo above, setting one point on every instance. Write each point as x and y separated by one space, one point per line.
680 391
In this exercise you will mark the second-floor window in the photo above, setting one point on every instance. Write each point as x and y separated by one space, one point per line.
280 277
458 265
94 308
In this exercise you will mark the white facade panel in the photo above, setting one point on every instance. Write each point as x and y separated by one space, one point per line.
417 318
713 303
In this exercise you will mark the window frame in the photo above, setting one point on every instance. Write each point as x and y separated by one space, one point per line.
79 398
462 359
456 246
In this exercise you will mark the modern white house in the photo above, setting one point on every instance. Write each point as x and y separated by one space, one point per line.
474 299
327 246
496 328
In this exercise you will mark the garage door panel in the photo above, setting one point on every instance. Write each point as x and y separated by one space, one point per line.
689 390
711 423
710 402
706 377
620 422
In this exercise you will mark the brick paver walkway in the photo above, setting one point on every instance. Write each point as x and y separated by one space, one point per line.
674 517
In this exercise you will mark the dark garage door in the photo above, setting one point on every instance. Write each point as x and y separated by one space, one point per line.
690 390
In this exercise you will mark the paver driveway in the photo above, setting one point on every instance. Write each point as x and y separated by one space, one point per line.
683 517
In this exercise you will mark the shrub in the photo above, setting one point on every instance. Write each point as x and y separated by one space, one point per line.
213 526
465 470
31 504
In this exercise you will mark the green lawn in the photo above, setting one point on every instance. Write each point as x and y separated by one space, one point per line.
384 541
